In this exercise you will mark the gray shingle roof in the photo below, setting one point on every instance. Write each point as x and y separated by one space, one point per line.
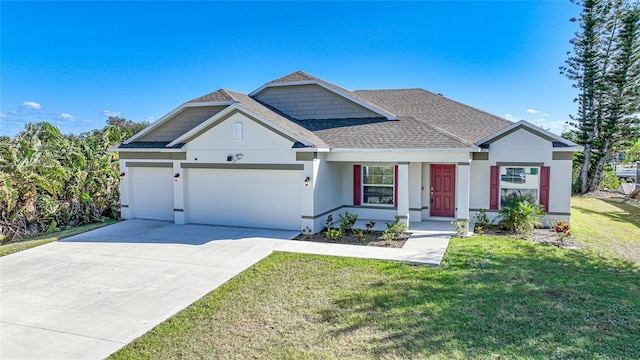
217 96
424 120
380 133
447 116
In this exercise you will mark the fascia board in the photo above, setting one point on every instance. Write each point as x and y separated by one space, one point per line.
533 128
203 125
409 150
173 112
163 150
226 111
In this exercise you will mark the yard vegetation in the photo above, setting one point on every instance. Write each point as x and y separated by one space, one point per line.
491 298
50 180
31 242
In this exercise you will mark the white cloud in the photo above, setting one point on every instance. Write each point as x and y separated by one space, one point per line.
3 115
109 113
533 111
546 115
151 119
508 116
67 116
32 105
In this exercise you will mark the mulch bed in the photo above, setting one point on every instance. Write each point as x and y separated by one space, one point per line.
371 238
544 236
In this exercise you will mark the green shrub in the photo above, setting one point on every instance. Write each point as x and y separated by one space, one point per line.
460 227
394 230
520 216
347 222
481 219
333 234
609 179
359 234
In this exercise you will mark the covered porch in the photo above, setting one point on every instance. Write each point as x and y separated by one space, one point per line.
425 190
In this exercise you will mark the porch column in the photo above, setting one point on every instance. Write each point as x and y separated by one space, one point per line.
178 194
308 190
403 192
125 201
462 203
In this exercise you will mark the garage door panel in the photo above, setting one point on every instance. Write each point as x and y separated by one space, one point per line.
244 198
152 193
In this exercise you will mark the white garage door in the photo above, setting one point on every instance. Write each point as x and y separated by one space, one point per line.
251 198
151 193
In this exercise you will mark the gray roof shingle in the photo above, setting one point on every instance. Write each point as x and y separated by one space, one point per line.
217 96
424 120
447 116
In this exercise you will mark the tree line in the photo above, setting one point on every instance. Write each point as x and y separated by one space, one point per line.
605 68
50 180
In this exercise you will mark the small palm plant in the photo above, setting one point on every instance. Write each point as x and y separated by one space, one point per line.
521 216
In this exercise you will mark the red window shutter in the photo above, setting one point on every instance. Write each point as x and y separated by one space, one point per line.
544 186
395 186
357 184
494 187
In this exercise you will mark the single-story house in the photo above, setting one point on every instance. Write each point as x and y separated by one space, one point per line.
298 149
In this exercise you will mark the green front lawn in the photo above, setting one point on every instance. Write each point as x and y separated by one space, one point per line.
491 298
30 242
607 227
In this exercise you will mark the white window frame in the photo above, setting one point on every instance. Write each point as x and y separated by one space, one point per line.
363 185
526 167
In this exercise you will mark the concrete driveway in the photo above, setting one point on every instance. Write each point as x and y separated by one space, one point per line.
86 296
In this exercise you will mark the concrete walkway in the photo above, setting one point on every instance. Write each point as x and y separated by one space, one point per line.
89 295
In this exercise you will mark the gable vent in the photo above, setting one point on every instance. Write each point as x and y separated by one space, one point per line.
237 131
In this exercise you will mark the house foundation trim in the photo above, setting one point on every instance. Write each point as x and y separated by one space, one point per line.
312 217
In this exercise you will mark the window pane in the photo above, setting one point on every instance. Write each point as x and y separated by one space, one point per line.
377 175
378 195
507 195
519 181
519 177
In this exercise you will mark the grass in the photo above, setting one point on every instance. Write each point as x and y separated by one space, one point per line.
31 242
607 227
491 298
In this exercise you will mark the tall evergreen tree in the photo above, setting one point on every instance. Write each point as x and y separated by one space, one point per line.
604 68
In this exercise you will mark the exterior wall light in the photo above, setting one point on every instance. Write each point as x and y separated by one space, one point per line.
122 175
307 180
176 177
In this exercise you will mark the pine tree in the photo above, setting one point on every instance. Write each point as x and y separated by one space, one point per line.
604 68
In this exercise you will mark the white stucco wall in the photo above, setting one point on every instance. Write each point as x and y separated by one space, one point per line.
327 191
522 146
259 144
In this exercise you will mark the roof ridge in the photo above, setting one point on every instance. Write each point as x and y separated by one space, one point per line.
444 132
447 99
213 95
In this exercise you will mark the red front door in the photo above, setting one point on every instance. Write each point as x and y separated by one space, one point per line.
443 190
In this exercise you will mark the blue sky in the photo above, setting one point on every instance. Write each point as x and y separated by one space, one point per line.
75 63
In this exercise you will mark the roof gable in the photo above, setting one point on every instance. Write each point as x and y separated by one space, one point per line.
300 78
180 123
556 140
238 108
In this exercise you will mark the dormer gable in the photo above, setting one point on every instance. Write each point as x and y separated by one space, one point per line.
304 97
